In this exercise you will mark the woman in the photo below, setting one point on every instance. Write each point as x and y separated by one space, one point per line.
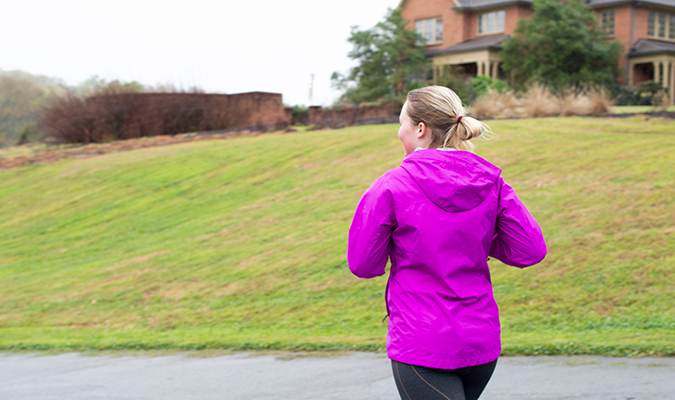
438 217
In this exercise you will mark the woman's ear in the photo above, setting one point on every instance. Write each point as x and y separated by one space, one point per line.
422 129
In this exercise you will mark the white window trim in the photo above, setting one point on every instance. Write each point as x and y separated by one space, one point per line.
656 26
433 22
601 22
496 31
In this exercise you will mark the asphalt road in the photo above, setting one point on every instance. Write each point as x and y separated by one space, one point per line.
252 376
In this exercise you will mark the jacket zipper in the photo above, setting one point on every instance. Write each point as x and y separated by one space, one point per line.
386 296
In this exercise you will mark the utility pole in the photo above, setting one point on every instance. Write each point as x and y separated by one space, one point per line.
311 89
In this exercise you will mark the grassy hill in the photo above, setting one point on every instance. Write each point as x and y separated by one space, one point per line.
241 243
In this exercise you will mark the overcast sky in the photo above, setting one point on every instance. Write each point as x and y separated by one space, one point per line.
221 46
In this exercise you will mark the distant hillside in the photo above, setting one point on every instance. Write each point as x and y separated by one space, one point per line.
55 84
241 243
21 94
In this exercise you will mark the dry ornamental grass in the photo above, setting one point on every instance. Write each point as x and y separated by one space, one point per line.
495 104
539 102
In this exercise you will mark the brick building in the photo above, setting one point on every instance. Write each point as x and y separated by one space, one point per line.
469 33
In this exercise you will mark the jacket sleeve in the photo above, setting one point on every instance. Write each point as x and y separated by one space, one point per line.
518 239
370 233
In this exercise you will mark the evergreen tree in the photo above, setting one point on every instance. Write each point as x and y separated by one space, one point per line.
391 59
561 47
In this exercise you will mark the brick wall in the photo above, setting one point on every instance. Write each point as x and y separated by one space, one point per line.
622 33
349 116
414 10
520 13
641 24
255 110
258 109
511 16
622 22
458 26
471 26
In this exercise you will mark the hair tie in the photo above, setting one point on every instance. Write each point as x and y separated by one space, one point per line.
459 119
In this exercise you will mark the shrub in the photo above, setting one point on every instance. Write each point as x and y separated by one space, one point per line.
651 93
626 96
647 94
298 109
480 85
456 79
28 135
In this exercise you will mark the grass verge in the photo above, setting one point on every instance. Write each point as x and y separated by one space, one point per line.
241 243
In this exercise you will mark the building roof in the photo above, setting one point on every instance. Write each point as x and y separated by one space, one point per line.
489 42
481 4
478 4
641 47
650 46
598 3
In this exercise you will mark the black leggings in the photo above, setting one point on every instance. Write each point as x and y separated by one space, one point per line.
422 383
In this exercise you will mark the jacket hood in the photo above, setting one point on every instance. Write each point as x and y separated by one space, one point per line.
453 180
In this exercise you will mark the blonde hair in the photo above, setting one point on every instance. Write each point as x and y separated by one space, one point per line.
440 109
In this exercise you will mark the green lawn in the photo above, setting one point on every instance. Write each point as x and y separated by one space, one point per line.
638 109
241 243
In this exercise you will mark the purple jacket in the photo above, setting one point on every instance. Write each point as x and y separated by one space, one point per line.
438 217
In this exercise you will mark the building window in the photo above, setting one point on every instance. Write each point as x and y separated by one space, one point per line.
661 25
607 22
431 29
439 30
651 21
492 22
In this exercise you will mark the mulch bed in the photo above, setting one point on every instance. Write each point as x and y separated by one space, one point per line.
651 114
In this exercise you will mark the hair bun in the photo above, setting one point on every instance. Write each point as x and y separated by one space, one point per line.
441 109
